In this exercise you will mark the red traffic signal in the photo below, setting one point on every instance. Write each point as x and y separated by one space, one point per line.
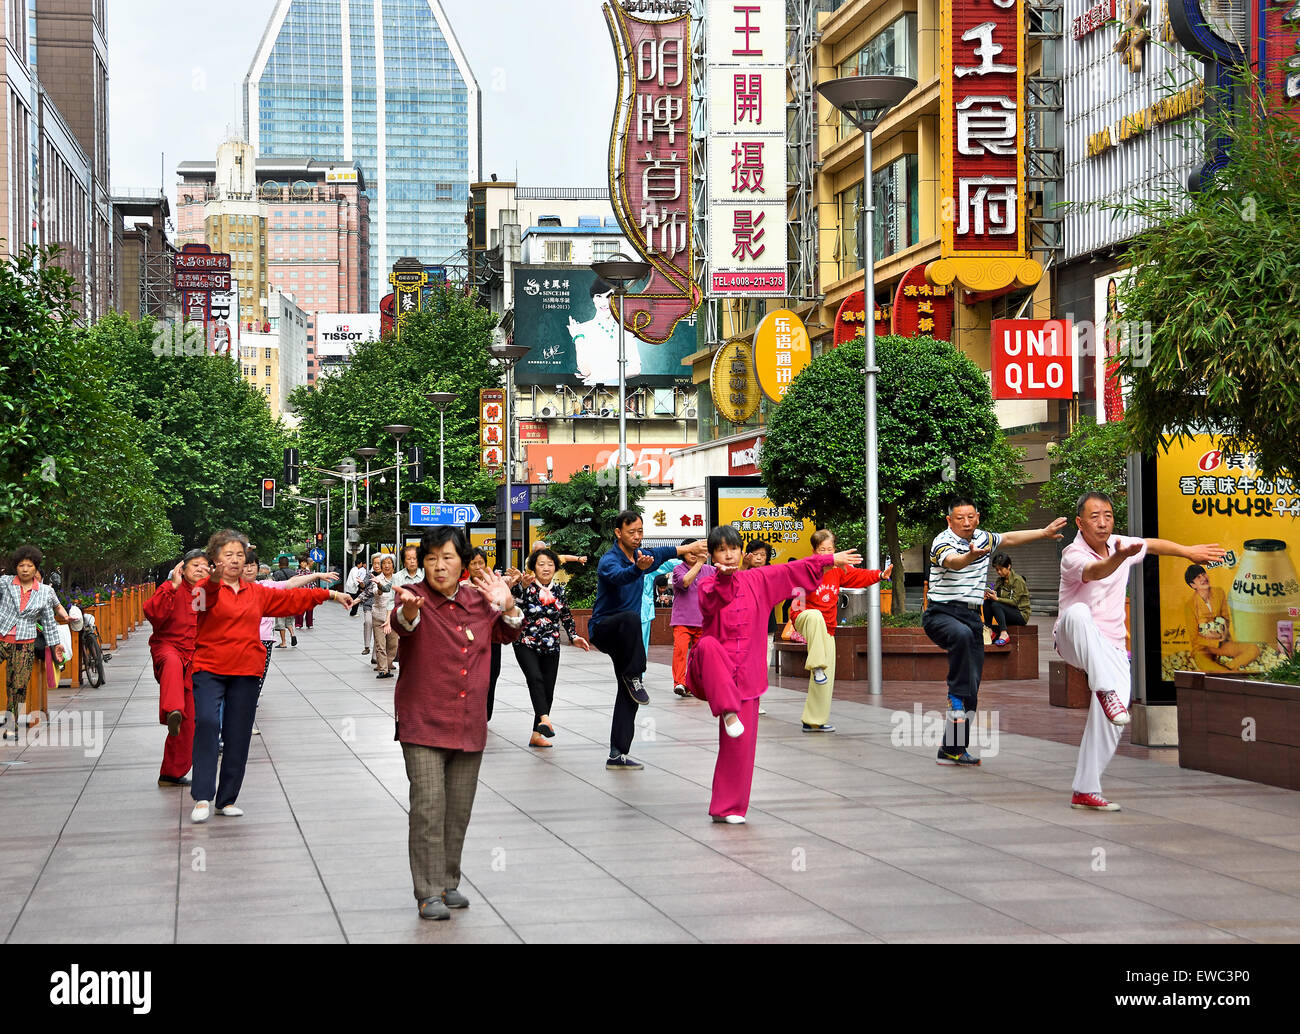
268 493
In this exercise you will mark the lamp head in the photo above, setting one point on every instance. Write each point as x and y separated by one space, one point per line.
866 99
621 270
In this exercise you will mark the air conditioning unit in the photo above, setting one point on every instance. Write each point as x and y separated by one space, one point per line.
692 413
546 411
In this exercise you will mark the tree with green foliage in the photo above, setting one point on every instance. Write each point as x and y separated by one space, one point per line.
932 403
1213 305
74 475
578 515
1094 458
208 432
442 349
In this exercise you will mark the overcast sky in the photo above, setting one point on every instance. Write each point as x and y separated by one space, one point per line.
546 69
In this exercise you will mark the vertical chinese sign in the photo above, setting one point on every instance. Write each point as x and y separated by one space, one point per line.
747 148
782 351
650 161
409 279
982 146
492 428
198 274
1278 54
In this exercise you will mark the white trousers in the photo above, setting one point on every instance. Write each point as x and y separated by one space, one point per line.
365 627
1080 643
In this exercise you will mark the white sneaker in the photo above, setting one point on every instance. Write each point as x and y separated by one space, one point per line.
257 731
202 812
731 820
734 729
819 676
762 710
230 811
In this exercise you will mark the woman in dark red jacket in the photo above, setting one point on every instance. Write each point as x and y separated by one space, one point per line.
229 659
171 612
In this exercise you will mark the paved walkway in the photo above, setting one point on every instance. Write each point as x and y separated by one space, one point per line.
851 837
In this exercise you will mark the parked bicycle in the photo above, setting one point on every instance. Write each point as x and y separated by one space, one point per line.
92 653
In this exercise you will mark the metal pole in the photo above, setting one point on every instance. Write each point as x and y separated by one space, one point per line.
397 533
509 544
328 531
874 660
622 401
344 544
367 503
442 459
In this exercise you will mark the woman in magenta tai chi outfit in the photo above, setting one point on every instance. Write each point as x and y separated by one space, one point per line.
728 666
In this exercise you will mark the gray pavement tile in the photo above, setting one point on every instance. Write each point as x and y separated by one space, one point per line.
747 925
1154 933
254 929
158 932
652 930
452 931
967 919
624 909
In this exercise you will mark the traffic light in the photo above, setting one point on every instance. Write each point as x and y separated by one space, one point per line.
268 493
292 467
417 464
320 539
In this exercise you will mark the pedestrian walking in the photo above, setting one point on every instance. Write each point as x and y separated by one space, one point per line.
24 602
365 600
1090 631
1007 602
305 566
441 706
687 624
728 666
537 650
959 565
384 636
229 661
615 625
814 618
284 625
171 612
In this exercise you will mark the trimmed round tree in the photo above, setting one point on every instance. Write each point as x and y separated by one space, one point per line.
933 405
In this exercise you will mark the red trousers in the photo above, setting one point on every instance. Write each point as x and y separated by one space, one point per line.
711 677
175 693
684 637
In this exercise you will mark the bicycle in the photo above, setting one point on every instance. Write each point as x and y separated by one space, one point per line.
91 653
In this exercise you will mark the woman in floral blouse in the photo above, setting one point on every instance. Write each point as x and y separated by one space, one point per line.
538 648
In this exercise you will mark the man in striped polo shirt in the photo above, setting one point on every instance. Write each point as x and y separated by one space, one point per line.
959 559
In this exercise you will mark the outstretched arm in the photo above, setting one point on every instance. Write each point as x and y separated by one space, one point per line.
1017 538
1202 554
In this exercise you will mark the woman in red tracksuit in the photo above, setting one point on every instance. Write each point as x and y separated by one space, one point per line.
229 659
171 612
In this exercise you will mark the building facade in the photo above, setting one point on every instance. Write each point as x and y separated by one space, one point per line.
145 256
273 357
383 84
54 182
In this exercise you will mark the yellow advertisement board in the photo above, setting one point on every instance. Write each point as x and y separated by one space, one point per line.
1243 613
755 516
485 538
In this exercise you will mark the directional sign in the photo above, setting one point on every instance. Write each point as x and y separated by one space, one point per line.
429 515
317 555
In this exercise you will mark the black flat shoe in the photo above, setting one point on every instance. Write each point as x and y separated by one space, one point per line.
174 781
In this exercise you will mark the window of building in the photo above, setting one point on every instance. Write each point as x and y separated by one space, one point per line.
268 353
559 251
603 250
268 371
897 223
892 52
267 389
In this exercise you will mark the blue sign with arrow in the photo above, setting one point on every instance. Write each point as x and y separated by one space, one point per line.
432 515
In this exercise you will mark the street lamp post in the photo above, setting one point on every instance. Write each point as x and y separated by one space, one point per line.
367 454
865 100
622 271
441 399
509 355
398 431
327 484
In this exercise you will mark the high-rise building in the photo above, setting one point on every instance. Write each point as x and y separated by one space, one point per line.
145 257
54 180
321 76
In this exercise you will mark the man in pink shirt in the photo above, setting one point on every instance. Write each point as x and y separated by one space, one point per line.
1090 630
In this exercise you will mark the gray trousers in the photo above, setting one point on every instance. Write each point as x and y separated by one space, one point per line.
443 784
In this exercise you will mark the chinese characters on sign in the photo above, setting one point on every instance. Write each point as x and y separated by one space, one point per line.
198 274
650 168
747 148
781 352
735 389
921 308
492 428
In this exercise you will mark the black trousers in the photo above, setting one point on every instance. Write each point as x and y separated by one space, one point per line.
540 672
492 678
958 630
619 635
999 615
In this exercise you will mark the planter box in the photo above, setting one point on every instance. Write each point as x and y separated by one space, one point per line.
1067 686
1239 727
661 632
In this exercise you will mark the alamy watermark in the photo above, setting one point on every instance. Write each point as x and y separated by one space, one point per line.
916 728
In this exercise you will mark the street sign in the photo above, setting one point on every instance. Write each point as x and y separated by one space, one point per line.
317 556
202 281
430 515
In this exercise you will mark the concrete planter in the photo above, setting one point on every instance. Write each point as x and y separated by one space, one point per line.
1240 727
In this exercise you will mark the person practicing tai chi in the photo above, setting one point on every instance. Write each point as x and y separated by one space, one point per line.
1090 631
615 625
175 621
959 569
446 624
728 664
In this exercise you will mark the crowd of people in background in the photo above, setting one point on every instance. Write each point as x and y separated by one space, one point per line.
437 618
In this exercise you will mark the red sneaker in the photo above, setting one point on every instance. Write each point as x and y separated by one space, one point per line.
1115 711
1092 802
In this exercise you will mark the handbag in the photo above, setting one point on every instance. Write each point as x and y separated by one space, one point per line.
790 634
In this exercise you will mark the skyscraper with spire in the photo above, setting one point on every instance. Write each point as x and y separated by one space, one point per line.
384 83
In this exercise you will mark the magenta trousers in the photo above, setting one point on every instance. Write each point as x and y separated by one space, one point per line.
710 675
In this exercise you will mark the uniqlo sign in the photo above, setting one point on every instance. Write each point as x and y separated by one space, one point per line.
748 214
982 114
1033 359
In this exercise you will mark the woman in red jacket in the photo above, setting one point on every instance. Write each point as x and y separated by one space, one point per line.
171 612
814 619
229 659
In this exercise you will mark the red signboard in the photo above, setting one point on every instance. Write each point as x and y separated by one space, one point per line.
923 308
533 431
850 321
654 464
201 261
1277 40
202 281
1033 359
650 164
1094 18
743 456
387 315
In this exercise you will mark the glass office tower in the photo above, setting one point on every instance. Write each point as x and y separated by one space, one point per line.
314 90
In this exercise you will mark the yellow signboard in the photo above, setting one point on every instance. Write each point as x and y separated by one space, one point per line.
732 381
1245 612
781 352
755 516
486 540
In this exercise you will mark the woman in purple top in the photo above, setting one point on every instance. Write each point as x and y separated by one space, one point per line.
686 621
728 666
